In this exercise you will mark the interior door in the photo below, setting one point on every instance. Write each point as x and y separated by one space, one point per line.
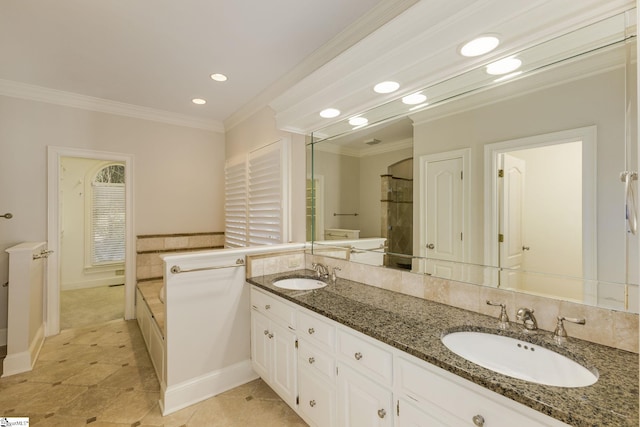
444 215
512 243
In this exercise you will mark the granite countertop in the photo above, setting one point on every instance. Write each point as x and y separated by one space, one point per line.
416 325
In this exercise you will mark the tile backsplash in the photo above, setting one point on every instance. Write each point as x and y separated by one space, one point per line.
603 326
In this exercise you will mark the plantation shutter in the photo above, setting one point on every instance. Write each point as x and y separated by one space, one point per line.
257 204
107 223
235 206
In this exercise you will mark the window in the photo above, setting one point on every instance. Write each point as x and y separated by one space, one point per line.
256 197
108 216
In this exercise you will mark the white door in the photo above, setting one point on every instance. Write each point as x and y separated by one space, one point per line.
444 215
260 348
284 366
512 245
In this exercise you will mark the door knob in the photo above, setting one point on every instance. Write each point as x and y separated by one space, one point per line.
382 413
431 246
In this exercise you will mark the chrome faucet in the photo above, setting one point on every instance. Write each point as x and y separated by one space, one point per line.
527 318
503 319
560 334
321 270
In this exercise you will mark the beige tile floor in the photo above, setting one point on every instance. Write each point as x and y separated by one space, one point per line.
91 306
102 376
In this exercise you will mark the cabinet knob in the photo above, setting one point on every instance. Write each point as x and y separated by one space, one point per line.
312 331
312 360
267 307
312 403
358 356
270 336
266 332
478 420
382 413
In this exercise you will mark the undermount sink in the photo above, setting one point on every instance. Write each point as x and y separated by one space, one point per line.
519 359
299 283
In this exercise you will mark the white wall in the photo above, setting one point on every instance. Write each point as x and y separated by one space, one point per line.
178 171
259 130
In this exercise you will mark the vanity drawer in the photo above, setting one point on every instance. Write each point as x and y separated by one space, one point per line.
274 308
312 358
429 385
317 330
367 355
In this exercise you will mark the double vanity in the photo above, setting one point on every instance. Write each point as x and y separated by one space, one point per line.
344 353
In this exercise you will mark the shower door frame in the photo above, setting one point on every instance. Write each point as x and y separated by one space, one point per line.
52 304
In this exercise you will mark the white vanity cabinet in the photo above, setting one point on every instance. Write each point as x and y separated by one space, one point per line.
317 369
273 344
454 401
365 374
341 377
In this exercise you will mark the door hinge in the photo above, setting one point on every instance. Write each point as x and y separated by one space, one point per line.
461 175
297 400
500 173
398 408
460 236
336 370
296 343
500 238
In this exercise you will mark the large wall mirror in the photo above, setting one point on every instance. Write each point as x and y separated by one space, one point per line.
525 182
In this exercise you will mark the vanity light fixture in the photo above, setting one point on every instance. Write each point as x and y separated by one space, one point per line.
479 46
414 98
358 121
219 77
386 87
329 113
503 66
199 101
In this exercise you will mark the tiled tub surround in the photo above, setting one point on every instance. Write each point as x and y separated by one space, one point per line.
415 325
149 265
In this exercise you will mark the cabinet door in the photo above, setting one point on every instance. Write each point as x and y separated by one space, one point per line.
284 366
362 402
317 399
260 344
408 415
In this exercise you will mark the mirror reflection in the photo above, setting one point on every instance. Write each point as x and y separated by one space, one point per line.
523 184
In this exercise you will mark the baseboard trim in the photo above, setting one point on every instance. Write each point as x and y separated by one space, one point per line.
24 361
187 393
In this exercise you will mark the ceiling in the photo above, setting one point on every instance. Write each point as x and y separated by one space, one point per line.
159 54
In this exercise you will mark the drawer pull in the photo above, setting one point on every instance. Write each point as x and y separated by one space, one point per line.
312 360
270 336
478 420
382 413
267 307
312 331
358 356
312 403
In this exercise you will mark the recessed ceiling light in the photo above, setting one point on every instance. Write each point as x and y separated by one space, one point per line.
479 46
386 87
414 98
219 77
329 113
358 121
199 101
503 66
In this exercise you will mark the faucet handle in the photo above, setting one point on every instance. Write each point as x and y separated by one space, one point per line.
334 276
560 334
504 317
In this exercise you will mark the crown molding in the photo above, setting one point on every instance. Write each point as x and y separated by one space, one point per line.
29 92
382 13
